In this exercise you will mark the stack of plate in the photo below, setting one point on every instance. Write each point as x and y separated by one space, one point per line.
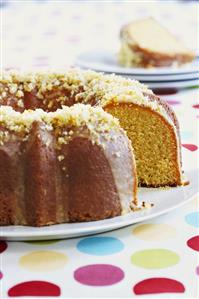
167 77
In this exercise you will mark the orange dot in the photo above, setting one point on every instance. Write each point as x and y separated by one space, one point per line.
154 232
43 261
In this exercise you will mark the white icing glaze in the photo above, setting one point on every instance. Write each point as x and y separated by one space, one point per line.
124 173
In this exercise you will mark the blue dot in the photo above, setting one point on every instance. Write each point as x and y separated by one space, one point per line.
100 245
193 219
3 3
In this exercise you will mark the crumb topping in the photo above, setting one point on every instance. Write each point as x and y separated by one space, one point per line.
83 86
53 90
64 122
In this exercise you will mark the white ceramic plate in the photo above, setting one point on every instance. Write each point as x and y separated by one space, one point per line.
163 78
164 201
106 61
169 83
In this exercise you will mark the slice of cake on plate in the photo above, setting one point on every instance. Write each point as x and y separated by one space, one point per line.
146 43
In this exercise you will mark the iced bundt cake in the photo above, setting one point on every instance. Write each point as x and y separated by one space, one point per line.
77 164
145 43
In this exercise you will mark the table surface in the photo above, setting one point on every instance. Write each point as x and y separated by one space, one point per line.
160 255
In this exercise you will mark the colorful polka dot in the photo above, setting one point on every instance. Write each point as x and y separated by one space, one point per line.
153 232
193 243
50 33
40 64
157 286
43 261
155 258
34 288
196 106
1 275
3 3
99 275
41 58
173 102
190 147
3 246
197 270
100 245
73 38
49 242
193 87
193 219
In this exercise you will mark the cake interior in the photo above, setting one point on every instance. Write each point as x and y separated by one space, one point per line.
154 144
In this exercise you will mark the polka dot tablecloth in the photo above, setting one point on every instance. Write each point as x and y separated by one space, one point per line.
158 258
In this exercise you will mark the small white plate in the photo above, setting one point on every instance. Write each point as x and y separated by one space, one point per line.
163 78
106 61
168 83
164 201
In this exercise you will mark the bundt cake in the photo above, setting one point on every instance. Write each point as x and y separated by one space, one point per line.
145 43
64 161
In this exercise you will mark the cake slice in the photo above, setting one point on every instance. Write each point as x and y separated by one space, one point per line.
145 43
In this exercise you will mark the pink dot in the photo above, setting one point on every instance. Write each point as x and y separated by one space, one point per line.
50 33
173 102
41 58
196 106
158 285
73 38
191 147
3 246
99 275
42 64
41 61
77 17
197 270
56 13
9 68
34 288
193 243
1 275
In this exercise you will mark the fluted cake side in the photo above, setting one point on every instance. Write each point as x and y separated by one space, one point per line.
75 164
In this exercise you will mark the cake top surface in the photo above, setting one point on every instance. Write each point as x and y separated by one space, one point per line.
73 86
75 116
148 34
84 84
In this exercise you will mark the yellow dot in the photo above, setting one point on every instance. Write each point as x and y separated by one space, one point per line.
43 261
155 258
154 232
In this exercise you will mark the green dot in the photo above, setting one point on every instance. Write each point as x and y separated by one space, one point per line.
48 242
192 87
155 258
